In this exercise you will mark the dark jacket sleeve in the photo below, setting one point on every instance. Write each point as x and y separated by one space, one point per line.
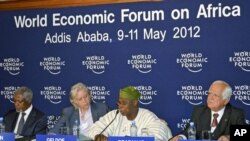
62 121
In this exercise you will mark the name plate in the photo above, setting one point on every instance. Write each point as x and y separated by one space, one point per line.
118 138
7 137
196 140
55 138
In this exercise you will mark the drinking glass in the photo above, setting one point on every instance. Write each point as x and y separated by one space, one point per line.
206 135
64 130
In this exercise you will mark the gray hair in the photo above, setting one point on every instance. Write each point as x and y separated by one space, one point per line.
227 92
75 89
26 93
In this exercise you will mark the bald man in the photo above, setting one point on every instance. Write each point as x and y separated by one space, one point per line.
217 115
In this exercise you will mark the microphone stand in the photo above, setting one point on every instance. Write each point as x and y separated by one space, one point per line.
99 139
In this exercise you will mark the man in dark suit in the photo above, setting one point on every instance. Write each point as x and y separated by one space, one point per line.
83 111
25 120
217 115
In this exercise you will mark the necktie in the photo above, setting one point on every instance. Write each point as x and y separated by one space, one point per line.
215 121
20 125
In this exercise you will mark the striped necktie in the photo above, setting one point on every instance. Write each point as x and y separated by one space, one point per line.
215 121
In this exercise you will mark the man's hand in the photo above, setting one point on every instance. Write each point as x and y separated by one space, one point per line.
101 137
224 138
176 138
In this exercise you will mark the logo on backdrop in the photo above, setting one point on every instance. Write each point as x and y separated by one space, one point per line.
191 93
8 92
53 93
183 123
52 120
12 65
52 64
99 93
242 93
147 94
96 64
192 61
242 60
142 62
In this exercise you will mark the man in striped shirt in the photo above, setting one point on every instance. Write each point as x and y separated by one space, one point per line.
118 122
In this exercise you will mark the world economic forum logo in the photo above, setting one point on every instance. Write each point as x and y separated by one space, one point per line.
8 92
12 65
192 61
52 120
142 62
192 93
97 64
99 93
147 94
52 64
242 93
53 93
241 60
183 123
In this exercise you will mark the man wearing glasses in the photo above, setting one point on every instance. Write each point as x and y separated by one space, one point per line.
217 115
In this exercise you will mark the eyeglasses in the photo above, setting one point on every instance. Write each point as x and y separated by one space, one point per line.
214 94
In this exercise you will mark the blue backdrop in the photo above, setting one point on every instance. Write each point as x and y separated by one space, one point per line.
170 51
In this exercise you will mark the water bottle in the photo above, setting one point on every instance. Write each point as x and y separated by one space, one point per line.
76 131
191 131
133 129
2 127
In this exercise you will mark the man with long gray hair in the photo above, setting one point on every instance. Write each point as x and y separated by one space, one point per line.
83 112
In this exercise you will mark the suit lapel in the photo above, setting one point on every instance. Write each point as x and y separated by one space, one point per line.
223 122
30 120
202 119
13 124
75 116
27 127
207 119
93 112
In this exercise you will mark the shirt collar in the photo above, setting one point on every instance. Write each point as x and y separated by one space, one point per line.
220 112
27 111
89 109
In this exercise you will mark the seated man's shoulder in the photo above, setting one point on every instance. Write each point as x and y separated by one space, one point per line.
147 112
10 112
38 112
236 109
200 107
68 110
98 105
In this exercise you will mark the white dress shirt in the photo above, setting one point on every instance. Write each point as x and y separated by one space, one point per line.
221 112
27 113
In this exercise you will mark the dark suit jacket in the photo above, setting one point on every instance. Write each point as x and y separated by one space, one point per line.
36 122
201 116
71 114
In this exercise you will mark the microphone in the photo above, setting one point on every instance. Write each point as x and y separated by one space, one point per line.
117 111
